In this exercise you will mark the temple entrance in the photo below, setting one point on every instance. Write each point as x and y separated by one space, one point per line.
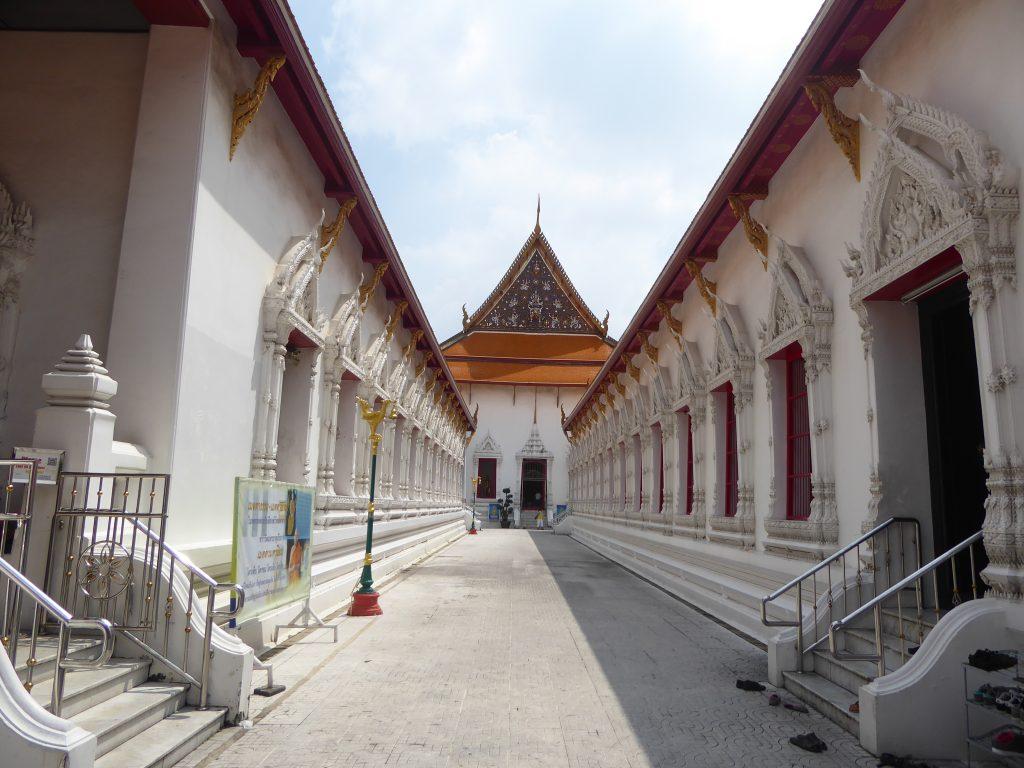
534 491
956 439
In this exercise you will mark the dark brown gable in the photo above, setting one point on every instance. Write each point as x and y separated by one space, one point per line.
535 302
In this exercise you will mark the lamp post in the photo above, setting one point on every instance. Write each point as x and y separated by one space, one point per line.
365 599
476 482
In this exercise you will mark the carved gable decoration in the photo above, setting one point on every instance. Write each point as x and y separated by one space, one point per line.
489 448
734 360
936 182
290 299
535 302
535 296
799 310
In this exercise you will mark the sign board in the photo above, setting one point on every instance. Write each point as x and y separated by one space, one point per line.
492 511
49 465
272 551
561 509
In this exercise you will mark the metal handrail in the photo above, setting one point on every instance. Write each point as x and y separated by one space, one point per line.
68 624
874 605
872 540
213 587
817 567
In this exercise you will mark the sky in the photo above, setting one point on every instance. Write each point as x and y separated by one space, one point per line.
619 115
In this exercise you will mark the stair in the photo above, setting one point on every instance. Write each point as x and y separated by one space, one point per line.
138 722
831 684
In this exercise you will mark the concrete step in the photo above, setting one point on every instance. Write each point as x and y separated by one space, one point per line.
846 673
46 654
86 688
862 641
912 626
164 744
128 714
833 701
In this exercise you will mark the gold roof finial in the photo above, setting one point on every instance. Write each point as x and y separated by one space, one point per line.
536 227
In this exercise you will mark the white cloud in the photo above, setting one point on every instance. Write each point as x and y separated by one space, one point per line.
621 116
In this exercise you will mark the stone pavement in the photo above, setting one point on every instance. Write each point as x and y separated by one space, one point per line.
515 648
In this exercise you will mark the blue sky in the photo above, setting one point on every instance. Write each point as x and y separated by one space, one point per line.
620 115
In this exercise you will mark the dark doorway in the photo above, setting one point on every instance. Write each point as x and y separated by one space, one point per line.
534 484
956 438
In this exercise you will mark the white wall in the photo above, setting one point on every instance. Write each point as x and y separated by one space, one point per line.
510 423
68 109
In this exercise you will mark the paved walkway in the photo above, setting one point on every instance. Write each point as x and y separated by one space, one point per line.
523 649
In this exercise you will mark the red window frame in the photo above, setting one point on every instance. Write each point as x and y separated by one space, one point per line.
731 455
798 438
487 471
689 464
661 473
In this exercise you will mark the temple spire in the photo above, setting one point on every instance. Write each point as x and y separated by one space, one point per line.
536 227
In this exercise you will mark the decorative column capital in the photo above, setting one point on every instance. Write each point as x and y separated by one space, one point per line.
79 380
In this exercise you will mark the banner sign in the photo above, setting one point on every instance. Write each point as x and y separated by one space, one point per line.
493 511
49 465
272 552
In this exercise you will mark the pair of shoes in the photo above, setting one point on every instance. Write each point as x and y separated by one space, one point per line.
855 708
991 661
796 706
1008 742
774 700
749 685
808 741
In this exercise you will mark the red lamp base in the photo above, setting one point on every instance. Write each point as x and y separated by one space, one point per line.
472 532
365 605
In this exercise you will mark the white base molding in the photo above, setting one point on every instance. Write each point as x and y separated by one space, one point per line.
724 582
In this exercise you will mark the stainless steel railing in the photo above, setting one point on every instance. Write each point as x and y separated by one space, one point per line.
14 579
19 487
179 566
108 558
875 605
878 552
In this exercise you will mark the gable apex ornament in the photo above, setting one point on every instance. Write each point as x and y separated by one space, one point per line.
604 323
329 233
756 234
247 104
845 130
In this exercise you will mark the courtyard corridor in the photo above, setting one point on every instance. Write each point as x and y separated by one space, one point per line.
516 648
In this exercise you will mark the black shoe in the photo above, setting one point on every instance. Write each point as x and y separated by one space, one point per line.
749 685
1008 742
888 759
991 661
808 741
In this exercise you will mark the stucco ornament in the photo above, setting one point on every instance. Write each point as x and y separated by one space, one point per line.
289 304
800 312
939 183
734 364
17 245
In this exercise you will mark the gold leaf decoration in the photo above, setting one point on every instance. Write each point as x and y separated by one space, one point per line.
247 104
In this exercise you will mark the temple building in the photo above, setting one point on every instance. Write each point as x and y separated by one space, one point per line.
812 426
196 284
522 361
